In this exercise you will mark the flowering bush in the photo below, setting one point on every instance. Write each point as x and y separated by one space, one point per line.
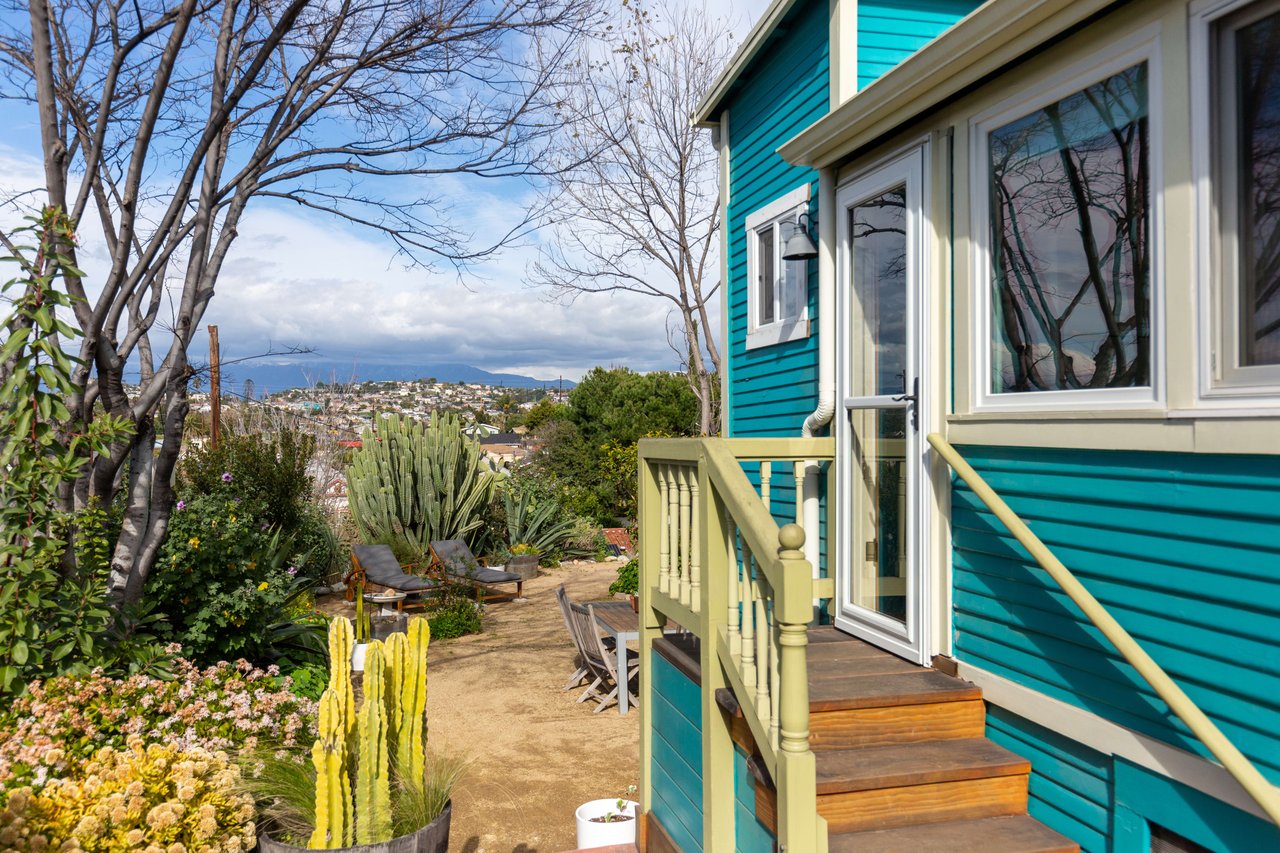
153 798
222 569
63 721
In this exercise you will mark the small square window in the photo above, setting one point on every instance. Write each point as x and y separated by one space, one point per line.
778 290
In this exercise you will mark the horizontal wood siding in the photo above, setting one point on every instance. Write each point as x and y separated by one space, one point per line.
1070 785
891 30
1183 549
773 388
751 835
676 763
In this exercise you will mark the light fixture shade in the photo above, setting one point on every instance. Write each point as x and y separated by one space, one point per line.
798 246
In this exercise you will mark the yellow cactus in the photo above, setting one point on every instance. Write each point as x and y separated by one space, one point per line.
333 786
412 733
340 646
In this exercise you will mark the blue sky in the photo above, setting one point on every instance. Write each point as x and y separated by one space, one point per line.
300 279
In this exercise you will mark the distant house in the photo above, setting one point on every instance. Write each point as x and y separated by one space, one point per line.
507 448
1028 243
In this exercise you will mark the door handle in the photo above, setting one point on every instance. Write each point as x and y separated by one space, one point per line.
914 400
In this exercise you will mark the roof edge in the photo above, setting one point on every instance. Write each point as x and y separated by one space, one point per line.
741 58
988 38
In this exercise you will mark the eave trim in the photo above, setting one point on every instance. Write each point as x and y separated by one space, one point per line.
990 37
742 57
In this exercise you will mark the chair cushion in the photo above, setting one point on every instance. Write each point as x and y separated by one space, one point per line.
458 561
381 567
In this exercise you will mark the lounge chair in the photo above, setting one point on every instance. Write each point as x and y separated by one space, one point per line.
377 566
452 558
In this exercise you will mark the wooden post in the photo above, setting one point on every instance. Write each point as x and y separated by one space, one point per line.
215 388
651 511
797 772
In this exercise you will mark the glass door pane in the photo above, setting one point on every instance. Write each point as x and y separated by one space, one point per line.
878 405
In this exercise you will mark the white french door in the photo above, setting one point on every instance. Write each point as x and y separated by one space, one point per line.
881 584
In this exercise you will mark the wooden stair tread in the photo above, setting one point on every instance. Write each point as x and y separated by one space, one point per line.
916 687
1013 834
857 666
915 764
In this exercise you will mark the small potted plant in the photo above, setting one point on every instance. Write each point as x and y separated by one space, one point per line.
628 583
524 561
602 823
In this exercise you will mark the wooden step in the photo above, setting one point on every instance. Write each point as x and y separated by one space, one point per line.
915 764
1015 834
916 687
909 724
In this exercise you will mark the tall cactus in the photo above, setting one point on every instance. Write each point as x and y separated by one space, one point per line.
393 711
415 483
333 786
411 736
373 768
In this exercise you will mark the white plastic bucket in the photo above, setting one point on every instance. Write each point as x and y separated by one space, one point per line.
595 834
357 657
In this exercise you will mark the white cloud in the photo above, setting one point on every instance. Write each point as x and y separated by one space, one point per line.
301 279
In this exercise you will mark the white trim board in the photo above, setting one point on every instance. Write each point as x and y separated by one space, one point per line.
1102 735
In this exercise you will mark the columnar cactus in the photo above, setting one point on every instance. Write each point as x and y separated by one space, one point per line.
340 669
394 711
412 732
333 786
415 483
373 770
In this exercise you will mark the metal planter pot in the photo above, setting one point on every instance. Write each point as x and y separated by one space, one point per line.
525 565
432 838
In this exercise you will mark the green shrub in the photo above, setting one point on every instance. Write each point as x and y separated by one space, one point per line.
227 583
268 470
628 579
455 617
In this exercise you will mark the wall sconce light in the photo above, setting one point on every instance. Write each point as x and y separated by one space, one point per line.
799 246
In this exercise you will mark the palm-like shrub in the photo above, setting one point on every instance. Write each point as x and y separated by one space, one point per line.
412 483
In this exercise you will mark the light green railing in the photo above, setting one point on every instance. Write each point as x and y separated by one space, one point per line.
1244 771
714 561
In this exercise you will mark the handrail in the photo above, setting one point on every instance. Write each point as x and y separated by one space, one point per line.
714 559
1235 762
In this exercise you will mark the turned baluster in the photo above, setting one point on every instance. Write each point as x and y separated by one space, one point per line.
733 617
664 526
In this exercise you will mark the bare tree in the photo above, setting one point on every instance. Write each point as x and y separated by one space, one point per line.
641 212
165 119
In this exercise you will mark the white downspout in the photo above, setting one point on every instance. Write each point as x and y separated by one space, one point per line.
821 416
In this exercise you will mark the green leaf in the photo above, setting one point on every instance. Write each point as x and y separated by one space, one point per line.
18 653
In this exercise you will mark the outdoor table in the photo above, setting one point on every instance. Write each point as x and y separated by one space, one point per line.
385 599
623 624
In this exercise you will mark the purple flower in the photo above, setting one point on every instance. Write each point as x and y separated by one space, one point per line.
226 476
293 570
182 504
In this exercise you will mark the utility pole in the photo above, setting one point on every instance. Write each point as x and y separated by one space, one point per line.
215 396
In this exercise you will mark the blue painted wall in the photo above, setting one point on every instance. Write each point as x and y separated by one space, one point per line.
676 764
771 389
891 30
1183 549
1070 787
751 835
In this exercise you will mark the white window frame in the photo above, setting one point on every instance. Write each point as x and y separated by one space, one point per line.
1223 383
772 215
1141 46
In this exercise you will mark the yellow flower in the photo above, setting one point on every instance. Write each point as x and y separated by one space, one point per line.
194 542
232 519
262 586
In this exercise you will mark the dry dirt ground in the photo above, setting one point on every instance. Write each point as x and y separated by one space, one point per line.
535 753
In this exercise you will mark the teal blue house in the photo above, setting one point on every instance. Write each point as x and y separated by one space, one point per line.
988 554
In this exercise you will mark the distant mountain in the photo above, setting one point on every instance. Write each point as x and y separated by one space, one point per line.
281 377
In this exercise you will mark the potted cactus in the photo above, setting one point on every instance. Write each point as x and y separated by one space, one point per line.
361 647
371 761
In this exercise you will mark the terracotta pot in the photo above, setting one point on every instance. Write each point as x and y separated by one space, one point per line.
432 838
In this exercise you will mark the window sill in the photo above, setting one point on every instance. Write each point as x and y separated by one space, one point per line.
777 333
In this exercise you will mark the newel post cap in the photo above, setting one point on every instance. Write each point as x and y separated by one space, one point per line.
791 538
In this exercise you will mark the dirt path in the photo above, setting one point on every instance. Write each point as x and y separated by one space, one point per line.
537 754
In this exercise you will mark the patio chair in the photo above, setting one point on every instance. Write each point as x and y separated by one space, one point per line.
377 566
575 680
452 558
599 660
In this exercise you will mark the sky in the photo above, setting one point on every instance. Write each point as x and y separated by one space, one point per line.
294 279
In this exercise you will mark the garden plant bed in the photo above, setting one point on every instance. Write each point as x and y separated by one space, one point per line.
536 754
